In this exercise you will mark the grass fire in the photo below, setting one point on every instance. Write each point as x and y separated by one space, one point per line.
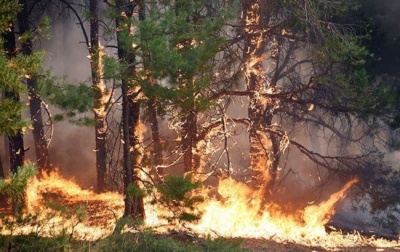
56 206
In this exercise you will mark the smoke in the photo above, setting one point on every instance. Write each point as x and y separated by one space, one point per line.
71 148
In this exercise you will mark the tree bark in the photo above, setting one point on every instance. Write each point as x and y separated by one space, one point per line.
156 139
189 129
2 175
132 153
16 142
100 96
42 154
263 161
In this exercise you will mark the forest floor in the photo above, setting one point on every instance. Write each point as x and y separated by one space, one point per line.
260 245
174 241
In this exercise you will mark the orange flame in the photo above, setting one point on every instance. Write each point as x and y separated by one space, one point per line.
87 216
236 212
240 213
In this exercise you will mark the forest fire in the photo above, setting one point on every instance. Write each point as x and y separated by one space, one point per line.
55 205
239 213
61 206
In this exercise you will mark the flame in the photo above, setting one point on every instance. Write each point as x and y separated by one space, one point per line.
87 216
237 211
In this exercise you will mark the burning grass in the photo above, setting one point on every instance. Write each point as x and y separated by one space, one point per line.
57 207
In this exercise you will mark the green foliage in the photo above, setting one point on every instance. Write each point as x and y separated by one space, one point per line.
14 187
8 10
10 111
178 43
12 73
146 240
134 191
112 68
42 30
32 242
351 88
72 99
177 194
341 48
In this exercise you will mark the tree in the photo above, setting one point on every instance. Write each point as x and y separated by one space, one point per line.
8 107
15 139
14 68
130 111
179 41
35 102
262 147
101 95
303 69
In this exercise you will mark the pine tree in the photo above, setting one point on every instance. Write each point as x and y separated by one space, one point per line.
14 68
130 111
180 41
303 67
35 102
100 95
15 138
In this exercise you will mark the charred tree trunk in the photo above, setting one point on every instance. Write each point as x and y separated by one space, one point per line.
16 142
189 126
42 154
100 96
260 110
130 114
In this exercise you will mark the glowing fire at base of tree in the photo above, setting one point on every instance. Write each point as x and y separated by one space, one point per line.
236 213
239 213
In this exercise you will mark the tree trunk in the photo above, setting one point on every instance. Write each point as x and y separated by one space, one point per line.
2 175
263 160
189 129
42 154
130 115
16 142
155 134
100 96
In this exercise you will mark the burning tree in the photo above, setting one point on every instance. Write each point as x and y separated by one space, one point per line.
130 111
305 73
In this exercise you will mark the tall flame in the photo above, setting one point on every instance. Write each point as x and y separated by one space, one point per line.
239 212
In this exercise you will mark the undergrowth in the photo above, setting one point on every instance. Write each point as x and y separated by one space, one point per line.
126 242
